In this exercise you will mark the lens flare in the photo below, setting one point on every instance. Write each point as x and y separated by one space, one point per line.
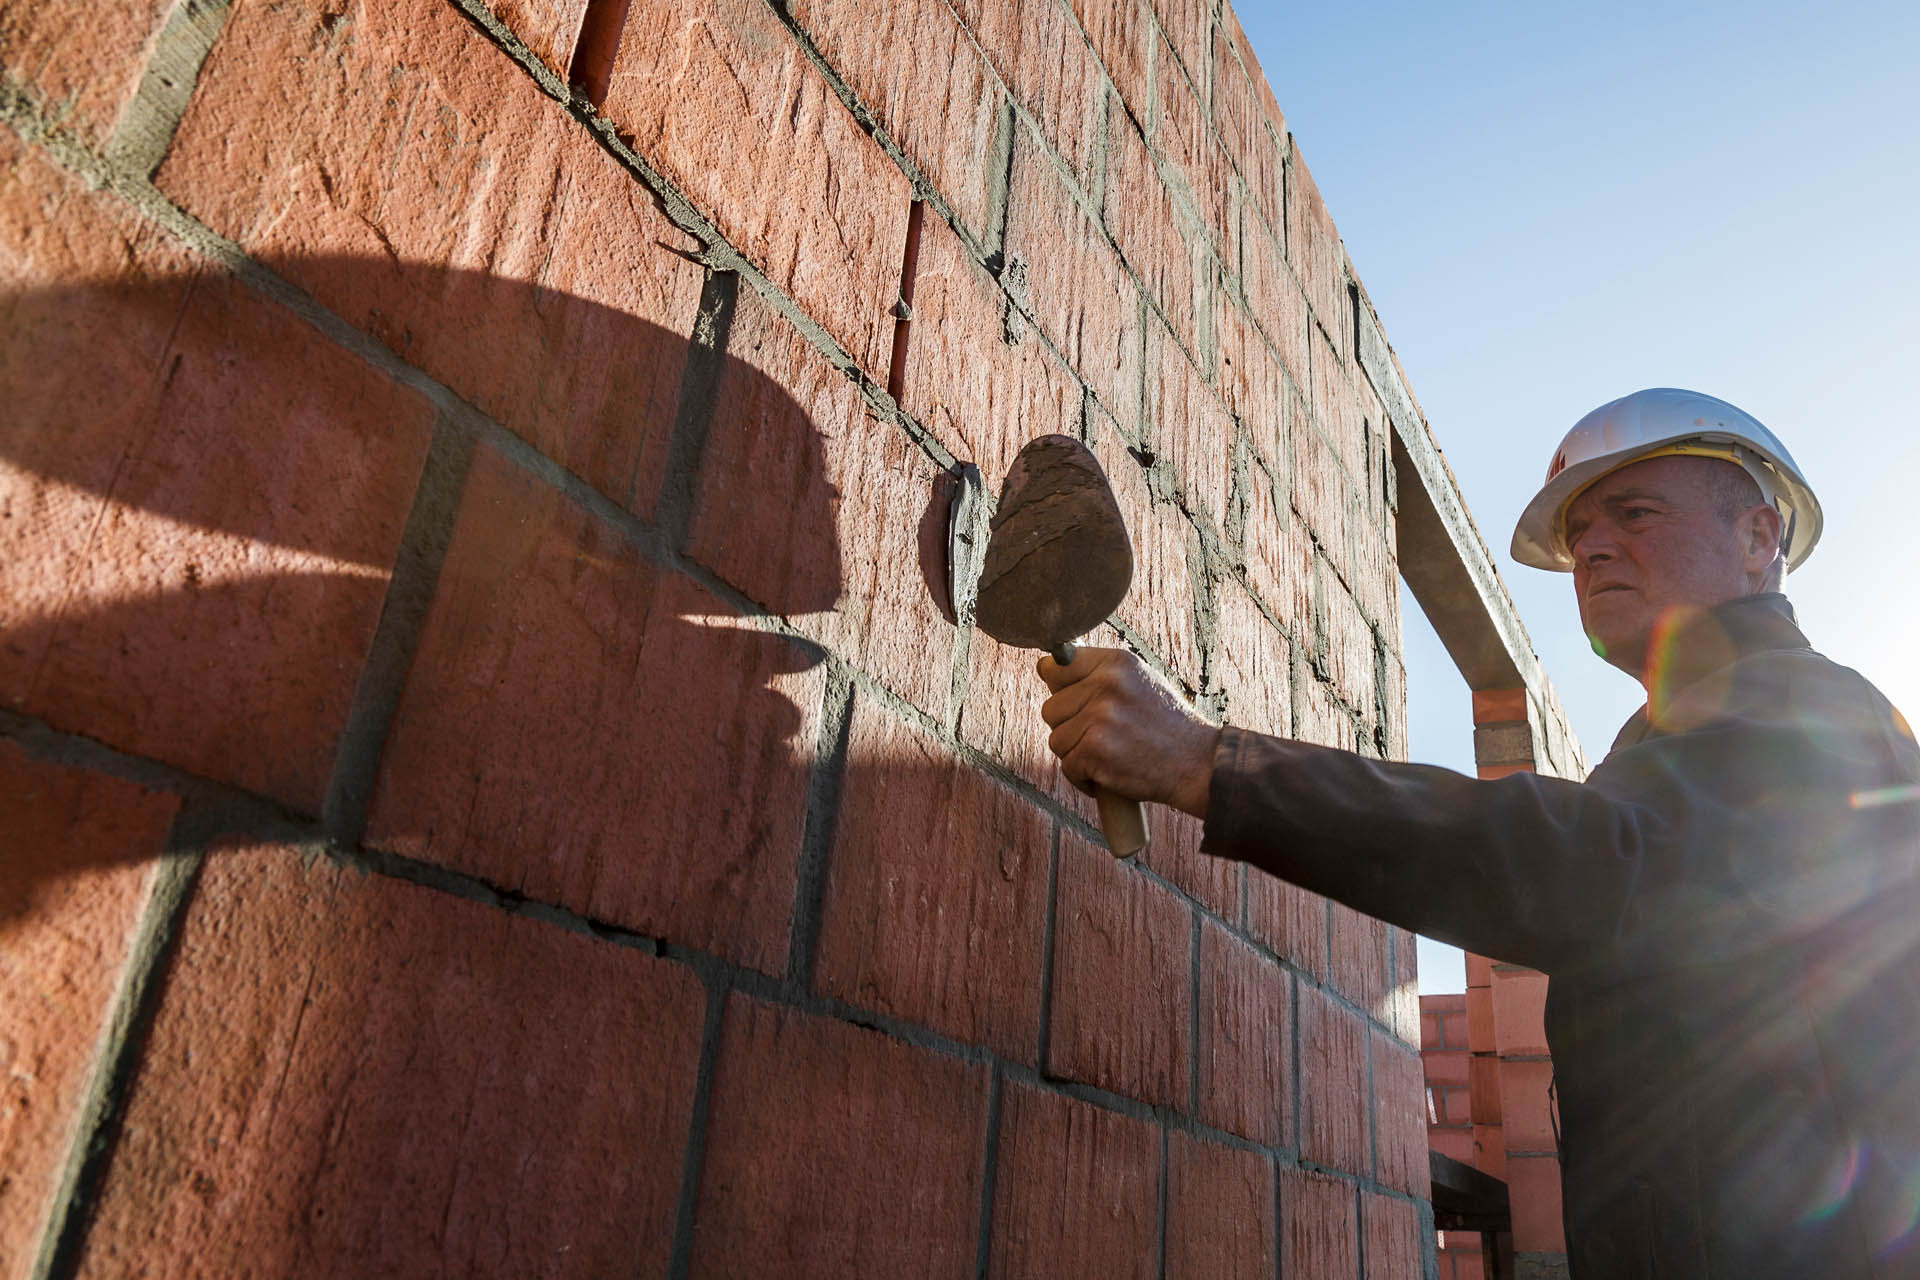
1877 796
1835 1187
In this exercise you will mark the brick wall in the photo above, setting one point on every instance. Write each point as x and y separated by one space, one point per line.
492 780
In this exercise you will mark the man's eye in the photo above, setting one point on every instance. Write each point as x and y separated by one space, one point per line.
1635 513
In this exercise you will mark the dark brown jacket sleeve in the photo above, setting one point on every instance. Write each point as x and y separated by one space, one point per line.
1734 830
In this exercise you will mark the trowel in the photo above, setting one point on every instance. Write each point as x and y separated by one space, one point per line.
1058 563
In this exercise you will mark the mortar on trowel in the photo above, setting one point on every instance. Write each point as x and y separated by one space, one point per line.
1058 564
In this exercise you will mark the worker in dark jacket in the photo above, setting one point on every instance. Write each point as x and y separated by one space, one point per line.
1728 908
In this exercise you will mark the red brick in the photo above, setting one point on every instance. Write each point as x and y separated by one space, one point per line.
1320 492
1489 1151
1275 299
1141 214
1173 850
1255 665
1318 1236
1122 980
1483 1079
549 28
910 63
353 1076
1519 1011
1074 284
1403 998
1188 426
81 61
1333 1083
1533 1188
1337 413
1182 136
1359 944
1239 116
1243 49
837 1151
1188 25
1526 1107
1159 607
1314 249
1346 641
80 852
1246 1041
1479 974
1250 379
781 167
1279 552
1077 1190
1119 31
936 895
816 510
1289 921
1319 716
1392 1230
981 396
1039 51
1001 716
1499 706
463 220
1399 1117
1393 695
1480 1018
514 754
1219 1211
172 584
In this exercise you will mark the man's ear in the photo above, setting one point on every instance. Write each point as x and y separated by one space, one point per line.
1761 531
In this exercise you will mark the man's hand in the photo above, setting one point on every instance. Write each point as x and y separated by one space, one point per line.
1116 729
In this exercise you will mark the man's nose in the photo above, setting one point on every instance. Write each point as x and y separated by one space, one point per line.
1594 544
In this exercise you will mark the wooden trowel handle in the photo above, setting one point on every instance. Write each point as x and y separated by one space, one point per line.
1122 821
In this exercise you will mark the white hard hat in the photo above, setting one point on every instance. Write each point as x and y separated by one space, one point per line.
1652 424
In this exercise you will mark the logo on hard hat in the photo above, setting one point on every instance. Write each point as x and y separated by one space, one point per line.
1558 464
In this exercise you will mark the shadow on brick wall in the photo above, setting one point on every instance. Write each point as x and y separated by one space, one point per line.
232 547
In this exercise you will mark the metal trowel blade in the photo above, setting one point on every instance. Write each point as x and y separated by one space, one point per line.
1058 560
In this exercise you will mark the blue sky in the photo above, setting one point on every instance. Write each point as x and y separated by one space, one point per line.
1552 206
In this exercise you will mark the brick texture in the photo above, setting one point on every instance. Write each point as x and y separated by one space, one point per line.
353 1076
936 895
910 63
170 586
1060 264
817 510
1038 50
1122 980
1333 1084
1246 1041
80 850
720 98
1076 1192
81 61
462 220
516 754
1219 1211
982 395
1399 1116
549 28
1392 1231
865 1161
1317 1227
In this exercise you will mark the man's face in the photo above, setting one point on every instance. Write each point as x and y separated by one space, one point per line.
1650 538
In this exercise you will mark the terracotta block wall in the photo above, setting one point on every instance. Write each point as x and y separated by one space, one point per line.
491 779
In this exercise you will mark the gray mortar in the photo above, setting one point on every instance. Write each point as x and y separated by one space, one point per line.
396 637
146 127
